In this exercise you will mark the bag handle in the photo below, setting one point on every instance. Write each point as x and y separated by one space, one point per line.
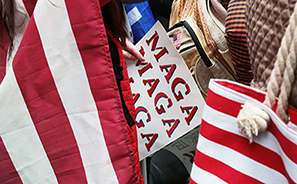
283 73
252 120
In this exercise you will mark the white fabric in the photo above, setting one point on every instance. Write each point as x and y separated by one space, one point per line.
71 84
17 133
134 16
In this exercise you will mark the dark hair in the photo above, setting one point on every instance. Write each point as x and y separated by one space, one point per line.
114 19
113 16
7 20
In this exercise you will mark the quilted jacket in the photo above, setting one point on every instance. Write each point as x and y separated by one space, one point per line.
266 22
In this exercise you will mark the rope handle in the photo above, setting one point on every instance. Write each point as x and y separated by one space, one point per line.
283 74
280 85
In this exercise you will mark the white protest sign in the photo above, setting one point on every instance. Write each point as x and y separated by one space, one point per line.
167 100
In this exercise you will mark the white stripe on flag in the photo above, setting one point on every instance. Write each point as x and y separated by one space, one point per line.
230 157
200 176
67 68
18 133
134 16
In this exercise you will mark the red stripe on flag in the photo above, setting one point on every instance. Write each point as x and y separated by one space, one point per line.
8 172
30 5
221 170
46 109
240 144
4 42
97 61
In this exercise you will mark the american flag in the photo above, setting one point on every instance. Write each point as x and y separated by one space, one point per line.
223 155
176 40
61 118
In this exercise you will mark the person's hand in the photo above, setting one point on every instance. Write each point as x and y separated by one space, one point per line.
130 52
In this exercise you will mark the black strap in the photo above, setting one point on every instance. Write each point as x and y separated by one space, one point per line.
196 41
115 57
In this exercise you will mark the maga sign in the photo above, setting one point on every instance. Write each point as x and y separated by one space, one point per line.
167 100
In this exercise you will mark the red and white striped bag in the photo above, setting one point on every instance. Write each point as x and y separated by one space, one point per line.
224 155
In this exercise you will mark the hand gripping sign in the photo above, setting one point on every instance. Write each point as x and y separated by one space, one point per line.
167 100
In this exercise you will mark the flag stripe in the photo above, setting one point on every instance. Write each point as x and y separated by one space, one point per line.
20 137
3 52
97 60
228 163
30 5
254 151
47 112
8 173
21 21
73 88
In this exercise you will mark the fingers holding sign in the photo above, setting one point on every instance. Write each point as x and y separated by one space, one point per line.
130 52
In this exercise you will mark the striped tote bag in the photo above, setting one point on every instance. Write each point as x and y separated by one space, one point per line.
224 155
